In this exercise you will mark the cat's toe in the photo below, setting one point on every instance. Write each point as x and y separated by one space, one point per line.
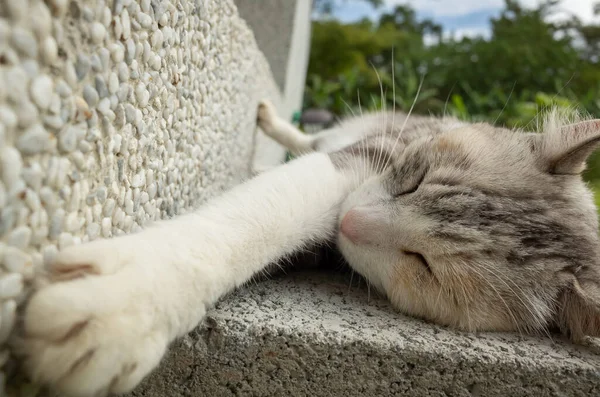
100 257
266 115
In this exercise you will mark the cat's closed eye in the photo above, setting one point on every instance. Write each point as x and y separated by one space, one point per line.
411 188
421 259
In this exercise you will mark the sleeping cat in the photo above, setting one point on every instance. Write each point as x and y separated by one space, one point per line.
466 225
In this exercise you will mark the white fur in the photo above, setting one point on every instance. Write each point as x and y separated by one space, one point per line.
144 290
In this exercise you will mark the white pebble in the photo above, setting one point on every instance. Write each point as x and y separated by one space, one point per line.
3 195
41 91
15 261
138 180
20 237
113 83
27 113
126 24
49 253
40 19
97 32
157 39
106 227
67 138
142 95
90 95
11 286
58 7
145 6
8 315
34 140
8 117
118 217
70 74
164 19
152 190
49 50
63 89
65 240
16 80
17 9
144 19
72 222
117 52
33 175
123 72
93 231
32 200
24 42
11 162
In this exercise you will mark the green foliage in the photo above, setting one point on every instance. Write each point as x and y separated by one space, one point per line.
528 65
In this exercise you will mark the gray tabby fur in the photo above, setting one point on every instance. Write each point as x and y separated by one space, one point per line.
469 225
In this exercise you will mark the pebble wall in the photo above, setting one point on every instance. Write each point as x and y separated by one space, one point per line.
113 114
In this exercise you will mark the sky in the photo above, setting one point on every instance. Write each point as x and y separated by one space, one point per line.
462 17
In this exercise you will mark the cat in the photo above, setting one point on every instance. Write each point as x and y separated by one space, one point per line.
466 225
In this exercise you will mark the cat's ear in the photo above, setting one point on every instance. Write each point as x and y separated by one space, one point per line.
579 306
563 150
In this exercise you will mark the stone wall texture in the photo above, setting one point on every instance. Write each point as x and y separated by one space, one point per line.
114 113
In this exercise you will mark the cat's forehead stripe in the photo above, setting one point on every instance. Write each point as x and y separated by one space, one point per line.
447 144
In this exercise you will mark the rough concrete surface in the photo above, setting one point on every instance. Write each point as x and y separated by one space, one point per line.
309 334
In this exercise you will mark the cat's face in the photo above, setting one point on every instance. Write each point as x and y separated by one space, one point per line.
483 229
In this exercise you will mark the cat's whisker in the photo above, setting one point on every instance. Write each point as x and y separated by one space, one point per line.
383 113
393 102
506 103
447 100
504 281
536 117
351 280
362 119
406 119
463 289
540 325
509 311
354 168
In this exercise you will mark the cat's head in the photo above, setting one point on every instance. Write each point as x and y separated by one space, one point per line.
484 228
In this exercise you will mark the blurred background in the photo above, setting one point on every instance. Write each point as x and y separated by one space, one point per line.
501 61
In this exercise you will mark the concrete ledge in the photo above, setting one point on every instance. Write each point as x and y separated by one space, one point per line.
308 334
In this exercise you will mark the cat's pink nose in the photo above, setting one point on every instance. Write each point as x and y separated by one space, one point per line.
349 227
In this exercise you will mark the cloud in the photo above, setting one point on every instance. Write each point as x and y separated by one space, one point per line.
465 18
445 8
474 19
442 8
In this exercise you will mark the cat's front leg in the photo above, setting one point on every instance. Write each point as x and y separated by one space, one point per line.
113 306
101 324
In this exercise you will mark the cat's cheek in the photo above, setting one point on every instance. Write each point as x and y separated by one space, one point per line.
363 226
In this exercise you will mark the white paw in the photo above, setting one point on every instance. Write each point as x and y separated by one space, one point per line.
98 326
267 116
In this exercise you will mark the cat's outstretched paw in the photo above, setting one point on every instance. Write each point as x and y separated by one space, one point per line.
267 116
97 327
